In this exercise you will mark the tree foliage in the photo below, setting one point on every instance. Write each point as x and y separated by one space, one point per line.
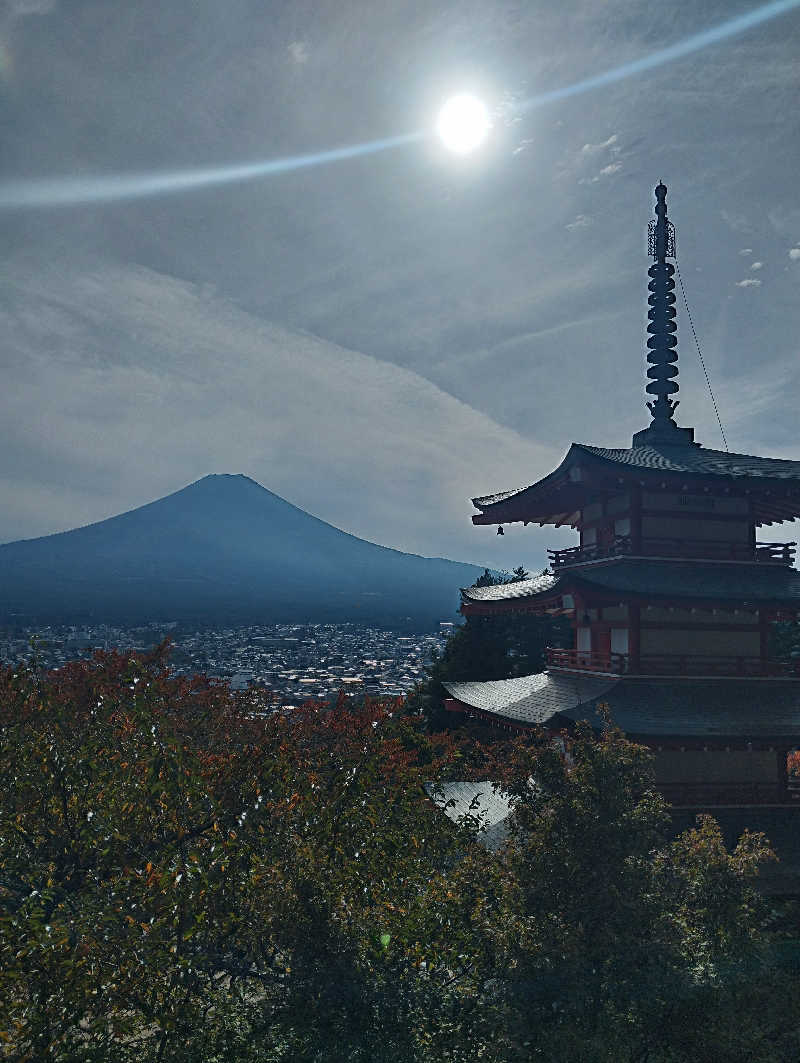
483 648
189 875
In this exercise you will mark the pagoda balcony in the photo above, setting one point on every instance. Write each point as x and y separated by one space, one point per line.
769 553
669 664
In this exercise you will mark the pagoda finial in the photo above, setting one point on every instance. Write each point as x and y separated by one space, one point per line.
662 354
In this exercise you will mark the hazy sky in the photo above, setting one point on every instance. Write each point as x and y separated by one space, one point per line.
379 339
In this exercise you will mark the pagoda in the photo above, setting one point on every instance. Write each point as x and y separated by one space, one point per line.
670 593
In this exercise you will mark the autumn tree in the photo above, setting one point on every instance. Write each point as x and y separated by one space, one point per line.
189 875
181 877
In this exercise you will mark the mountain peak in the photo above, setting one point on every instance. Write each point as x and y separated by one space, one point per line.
223 547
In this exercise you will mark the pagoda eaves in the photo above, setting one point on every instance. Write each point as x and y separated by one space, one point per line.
589 473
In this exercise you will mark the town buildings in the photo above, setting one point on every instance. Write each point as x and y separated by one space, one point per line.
292 662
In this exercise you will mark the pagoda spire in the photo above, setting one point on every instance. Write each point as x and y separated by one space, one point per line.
662 343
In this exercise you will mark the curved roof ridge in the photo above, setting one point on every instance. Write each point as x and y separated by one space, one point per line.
526 588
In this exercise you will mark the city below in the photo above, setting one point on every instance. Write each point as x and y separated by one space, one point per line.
295 662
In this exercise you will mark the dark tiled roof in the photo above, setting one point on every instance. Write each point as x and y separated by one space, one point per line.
653 578
533 699
699 580
504 591
500 496
682 460
743 708
698 461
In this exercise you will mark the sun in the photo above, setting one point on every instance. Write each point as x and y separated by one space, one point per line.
463 123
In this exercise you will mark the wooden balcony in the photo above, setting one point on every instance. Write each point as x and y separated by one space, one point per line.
585 661
670 664
769 553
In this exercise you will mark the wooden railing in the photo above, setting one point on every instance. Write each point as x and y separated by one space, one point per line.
669 664
574 555
586 661
771 553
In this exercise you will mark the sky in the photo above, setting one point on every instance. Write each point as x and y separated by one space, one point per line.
380 338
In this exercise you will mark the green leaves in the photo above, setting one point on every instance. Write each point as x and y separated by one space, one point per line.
182 879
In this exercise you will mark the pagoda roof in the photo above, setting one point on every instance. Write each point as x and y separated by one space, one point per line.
501 592
652 579
663 707
695 580
698 461
555 497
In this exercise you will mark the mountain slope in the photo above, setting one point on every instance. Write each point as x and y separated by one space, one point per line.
223 548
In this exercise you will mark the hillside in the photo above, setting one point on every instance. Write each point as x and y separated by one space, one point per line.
222 549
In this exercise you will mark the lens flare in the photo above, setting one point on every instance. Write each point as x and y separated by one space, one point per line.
80 191
695 43
77 191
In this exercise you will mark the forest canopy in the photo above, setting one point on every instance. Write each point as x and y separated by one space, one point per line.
186 874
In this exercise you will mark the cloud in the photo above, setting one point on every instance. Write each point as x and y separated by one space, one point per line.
784 220
582 221
142 384
737 221
21 8
746 251
587 153
757 265
794 253
592 149
749 282
746 398
298 52
607 171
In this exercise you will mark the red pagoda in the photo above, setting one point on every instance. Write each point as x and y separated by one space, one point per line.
671 596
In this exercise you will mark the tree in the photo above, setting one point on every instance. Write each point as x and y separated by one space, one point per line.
486 647
183 878
186 875
619 932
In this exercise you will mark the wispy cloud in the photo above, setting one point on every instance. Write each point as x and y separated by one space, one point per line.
737 221
606 171
522 146
298 52
592 149
581 221
195 385
794 253
757 265
749 282
21 8
746 251
757 393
